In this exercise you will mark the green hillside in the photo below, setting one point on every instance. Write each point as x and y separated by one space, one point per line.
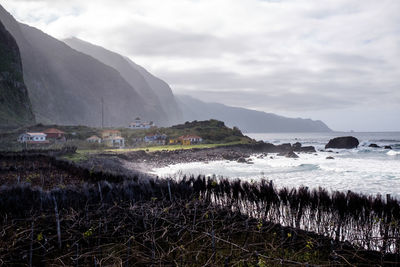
15 107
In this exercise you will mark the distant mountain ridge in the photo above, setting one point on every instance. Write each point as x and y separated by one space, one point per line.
15 106
156 92
247 120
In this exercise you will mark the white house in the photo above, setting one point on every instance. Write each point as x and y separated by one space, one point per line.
139 124
112 138
33 138
191 138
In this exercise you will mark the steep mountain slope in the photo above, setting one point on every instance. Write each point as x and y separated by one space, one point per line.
15 106
247 120
164 93
66 86
128 70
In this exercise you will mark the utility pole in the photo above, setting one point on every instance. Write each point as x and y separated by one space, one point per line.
102 112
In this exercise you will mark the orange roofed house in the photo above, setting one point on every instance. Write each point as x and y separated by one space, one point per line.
112 138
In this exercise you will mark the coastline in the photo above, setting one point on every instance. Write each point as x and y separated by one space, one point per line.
145 162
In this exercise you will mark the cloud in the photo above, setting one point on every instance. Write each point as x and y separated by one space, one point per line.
291 56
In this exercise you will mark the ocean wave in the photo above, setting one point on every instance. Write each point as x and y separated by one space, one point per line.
393 153
306 167
386 141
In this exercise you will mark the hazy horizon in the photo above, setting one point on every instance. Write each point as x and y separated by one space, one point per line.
332 61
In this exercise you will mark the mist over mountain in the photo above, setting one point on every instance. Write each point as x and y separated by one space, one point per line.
247 120
66 86
15 106
155 91
164 93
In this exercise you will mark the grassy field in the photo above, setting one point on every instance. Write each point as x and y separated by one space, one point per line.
174 147
83 154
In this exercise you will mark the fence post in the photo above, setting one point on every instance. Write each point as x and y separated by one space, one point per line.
169 191
58 222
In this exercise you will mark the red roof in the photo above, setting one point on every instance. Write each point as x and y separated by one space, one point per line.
53 131
93 137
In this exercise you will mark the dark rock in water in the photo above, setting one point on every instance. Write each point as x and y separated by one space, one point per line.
289 154
242 160
306 149
228 156
286 147
346 142
296 145
374 145
330 157
387 147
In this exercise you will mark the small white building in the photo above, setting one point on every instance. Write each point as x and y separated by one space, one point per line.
33 138
191 138
139 124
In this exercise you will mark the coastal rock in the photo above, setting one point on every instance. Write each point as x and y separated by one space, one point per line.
305 149
296 145
345 142
330 157
374 145
387 147
285 147
242 160
289 154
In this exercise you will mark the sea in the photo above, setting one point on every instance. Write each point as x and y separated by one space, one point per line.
366 170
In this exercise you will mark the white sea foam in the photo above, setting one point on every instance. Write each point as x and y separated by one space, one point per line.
393 153
366 170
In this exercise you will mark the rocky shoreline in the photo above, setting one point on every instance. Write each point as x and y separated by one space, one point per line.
145 161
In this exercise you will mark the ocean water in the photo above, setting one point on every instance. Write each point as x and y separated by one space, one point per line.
364 169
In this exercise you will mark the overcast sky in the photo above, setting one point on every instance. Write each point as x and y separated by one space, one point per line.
334 60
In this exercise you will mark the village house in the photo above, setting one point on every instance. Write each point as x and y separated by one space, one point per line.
139 124
33 138
174 141
55 135
190 139
94 139
159 139
112 138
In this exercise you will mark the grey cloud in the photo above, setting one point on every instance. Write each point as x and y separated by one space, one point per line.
354 60
146 40
289 89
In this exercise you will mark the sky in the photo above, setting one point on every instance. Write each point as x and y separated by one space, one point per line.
333 60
